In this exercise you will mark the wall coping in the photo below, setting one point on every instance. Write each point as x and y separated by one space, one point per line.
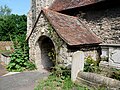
6 54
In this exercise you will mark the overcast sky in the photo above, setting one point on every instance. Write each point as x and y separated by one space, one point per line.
18 6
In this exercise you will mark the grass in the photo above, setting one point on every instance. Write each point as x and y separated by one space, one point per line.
58 83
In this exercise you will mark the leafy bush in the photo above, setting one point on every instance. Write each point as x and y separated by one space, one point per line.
61 71
19 62
90 65
12 25
20 57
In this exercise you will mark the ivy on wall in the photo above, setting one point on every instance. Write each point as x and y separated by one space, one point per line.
57 40
58 69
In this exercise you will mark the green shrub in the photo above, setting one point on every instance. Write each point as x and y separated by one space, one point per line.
19 59
61 71
90 65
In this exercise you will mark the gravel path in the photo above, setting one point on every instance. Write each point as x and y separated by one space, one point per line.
21 81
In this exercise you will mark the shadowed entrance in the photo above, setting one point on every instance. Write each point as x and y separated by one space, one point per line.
47 53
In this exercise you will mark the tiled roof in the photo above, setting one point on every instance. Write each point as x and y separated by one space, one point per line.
70 29
60 5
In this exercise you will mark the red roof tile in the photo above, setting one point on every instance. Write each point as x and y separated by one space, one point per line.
70 29
60 5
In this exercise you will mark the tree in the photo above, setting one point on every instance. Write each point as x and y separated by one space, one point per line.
7 28
5 10
12 25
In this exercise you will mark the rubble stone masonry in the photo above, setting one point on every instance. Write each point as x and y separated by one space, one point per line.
104 23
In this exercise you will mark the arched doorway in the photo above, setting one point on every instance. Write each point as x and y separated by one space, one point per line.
47 52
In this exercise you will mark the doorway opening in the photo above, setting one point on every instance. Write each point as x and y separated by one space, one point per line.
48 56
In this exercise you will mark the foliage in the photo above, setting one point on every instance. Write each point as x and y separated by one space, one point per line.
13 28
12 25
19 59
110 72
90 65
57 83
5 10
115 74
50 29
58 70
57 40
52 55
61 71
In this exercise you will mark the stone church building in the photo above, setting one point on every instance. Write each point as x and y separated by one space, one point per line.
66 30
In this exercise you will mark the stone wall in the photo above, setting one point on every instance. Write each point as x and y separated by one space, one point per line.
94 51
6 45
105 23
5 57
36 6
29 22
42 4
104 20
